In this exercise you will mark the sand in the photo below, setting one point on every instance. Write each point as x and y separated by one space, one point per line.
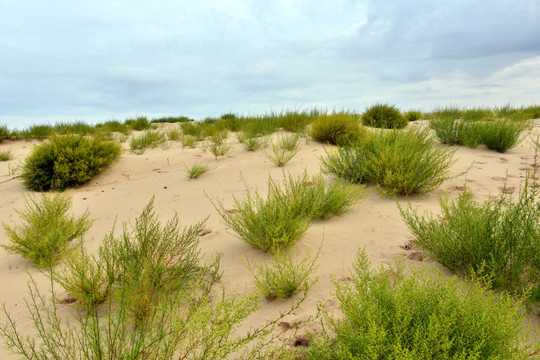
119 194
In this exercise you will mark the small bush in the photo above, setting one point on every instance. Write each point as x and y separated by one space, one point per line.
336 128
289 142
451 112
532 112
285 276
113 126
139 124
500 235
192 129
384 116
196 170
260 125
455 132
48 229
188 140
171 120
231 122
6 155
67 161
294 120
477 114
412 115
219 148
424 315
4 133
78 128
174 134
251 142
501 134
39 132
279 155
148 139
401 162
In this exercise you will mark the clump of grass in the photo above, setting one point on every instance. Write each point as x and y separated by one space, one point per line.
148 139
251 142
452 112
196 170
171 120
279 155
6 155
284 276
501 134
400 162
412 115
231 122
289 142
455 131
499 235
78 127
531 112
174 134
218 145
47 231
421 315
39 132
139 124
192 129
260 125
67 161
384 116
188 140
294 120
335 128
4 133
112 126
477 114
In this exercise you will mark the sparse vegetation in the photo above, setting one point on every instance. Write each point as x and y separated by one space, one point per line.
67 161
47 230
196 170
171 120
412 115
139 124
384 116
148 139
6 155
251 142
335 128
295 120
421 315
501 134
279 155
4 133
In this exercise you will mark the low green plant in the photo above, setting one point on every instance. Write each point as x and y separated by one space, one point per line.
289 142
412 115
47 229
477 114
67 161
501 134
112 126
260 125
335 128
294 120
531 112
251 142
284 276
188 140
384 116
139 124
196 170
174 134
421 315
6 155
451 112
39 132
219 148
279 155
4 133
400 162
148 139
78 127
499 235
192 129
231 122
171 119
455 131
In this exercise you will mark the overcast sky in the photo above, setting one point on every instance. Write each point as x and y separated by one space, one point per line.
93 60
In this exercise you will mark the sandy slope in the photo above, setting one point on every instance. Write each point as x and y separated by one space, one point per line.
120 193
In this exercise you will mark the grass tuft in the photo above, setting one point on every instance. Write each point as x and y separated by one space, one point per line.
196 170
384 116
6 155
148 139
335 128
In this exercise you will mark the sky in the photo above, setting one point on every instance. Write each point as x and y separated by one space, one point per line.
99 60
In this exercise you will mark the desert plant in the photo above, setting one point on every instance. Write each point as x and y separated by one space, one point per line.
4 133
383 116
67 161
48 229
401 162
6 155
38 132
219 148
139 124
78 127
174 134
451 112
171 120
412 115
188 140
192 129
498 234
294 120
455 131
251 142
477 114
335 128
231 122
284 276
196 170
148 139
501 134
421 315
288 142
260 125
279 155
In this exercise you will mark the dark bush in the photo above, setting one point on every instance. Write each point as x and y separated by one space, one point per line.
67 161
384 116
336 128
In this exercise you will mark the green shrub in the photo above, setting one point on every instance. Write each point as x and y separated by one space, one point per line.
455 132
260 125
192 129
285 276
39 132
532 112
188 140
231 122
251 142
196 170
452 112
412 115
113 126
174 134
148 139
498 234
477 114
138 124
4 133
424 315
335 128
6 155
288 142
401 162
218 146
171 119
501 134
384 116
279 155
294 120
47 231
67 161
79 128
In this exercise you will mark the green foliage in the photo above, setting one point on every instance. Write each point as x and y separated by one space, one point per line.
6 155
251 142
335 128
171 119
188 140
113 126
294 120
424 315
79 128
260 125
279 155
412 115
138 124
498 234
67 161
174 134
218 146
47 230
4 133
451 112
501 134
531 112
148 139
285 276
231 122
162 305
384 116
288 142
401 162
192 129
39 132
477 114
196 170
455 131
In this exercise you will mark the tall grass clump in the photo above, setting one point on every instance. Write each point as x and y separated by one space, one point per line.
294 120
161 303
335 128
284 276
499 235
280 155
384 116
6 155
452 112
251 142
47 229
148 139
477 114
421 315
4 133
412 115
67 161
400 162
78 128
501 134
196 170
231 122
531 112
260 125
113 126
171 120
139 124
455 132
38 132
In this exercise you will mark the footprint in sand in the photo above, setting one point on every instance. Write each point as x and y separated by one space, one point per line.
498 178
503 159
